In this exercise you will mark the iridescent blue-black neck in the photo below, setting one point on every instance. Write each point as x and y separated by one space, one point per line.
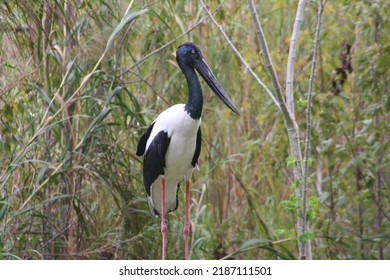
195 97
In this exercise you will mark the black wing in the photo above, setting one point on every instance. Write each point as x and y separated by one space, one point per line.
197 148
154 159
142 142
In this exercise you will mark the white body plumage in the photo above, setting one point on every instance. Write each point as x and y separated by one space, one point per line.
182 131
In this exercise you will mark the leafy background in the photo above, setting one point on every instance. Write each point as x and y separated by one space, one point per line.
81 80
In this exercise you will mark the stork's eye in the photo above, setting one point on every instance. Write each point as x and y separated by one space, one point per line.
193 51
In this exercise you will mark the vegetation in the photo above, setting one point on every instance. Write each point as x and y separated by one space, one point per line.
81 80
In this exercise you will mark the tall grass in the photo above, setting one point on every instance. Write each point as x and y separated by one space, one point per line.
77 93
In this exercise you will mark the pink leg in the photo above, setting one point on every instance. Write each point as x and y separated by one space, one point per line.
186 227
163 224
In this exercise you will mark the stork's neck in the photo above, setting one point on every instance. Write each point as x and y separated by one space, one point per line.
195 96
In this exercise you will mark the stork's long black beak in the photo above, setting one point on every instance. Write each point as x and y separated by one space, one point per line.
206 73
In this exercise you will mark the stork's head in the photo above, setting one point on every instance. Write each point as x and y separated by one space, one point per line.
188 55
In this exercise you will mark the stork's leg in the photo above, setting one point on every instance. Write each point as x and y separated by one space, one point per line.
163 224
186 227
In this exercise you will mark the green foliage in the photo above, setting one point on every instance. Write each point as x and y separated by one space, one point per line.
314 206
291 161
292 204
79 85
306 236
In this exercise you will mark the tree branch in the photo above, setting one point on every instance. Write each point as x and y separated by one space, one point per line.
276 102
289 119
308 115
265 53
288 115
291 58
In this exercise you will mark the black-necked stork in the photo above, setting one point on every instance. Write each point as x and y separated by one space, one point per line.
171 144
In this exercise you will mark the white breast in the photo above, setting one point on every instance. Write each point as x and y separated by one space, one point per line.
182 130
